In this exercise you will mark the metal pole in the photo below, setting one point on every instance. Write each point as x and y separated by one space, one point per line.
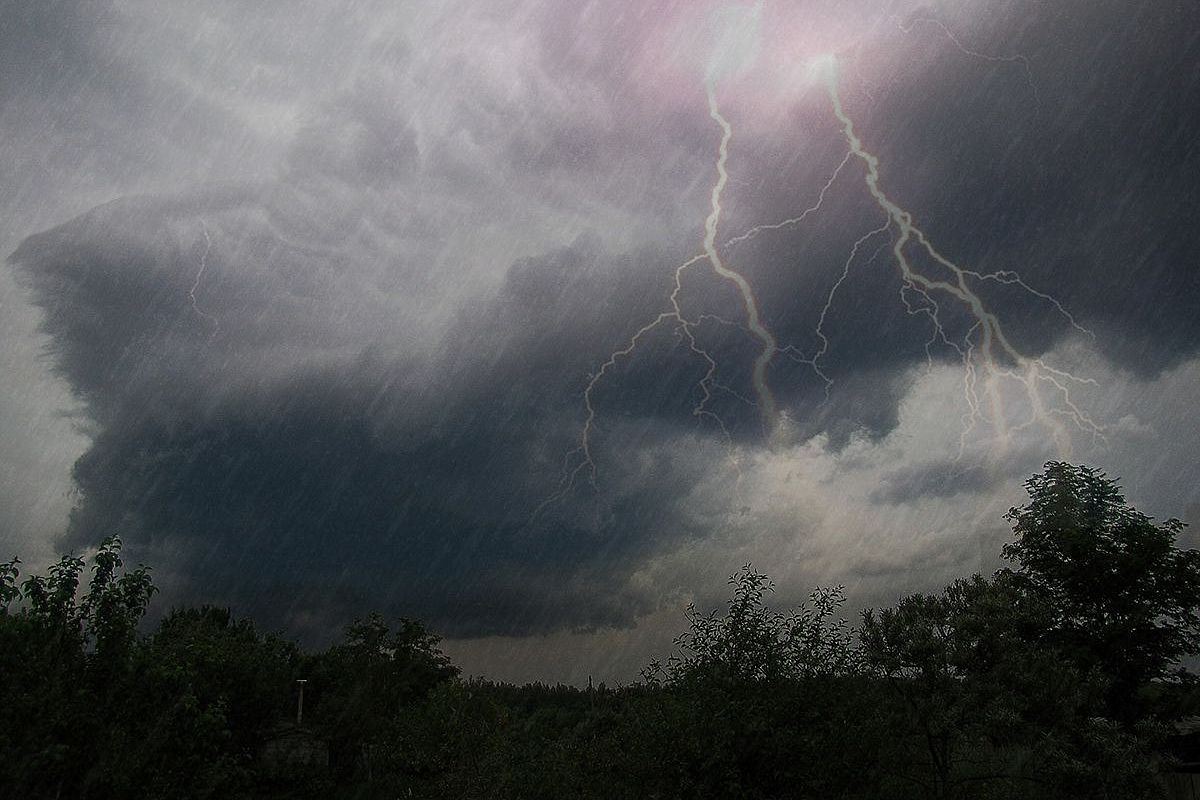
300 702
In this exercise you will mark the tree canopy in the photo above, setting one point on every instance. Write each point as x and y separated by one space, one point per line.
1058 676
1126 600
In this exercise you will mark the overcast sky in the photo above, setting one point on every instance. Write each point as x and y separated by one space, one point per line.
535 320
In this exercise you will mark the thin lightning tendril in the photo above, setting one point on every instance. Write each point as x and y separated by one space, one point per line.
199 277
823 348
584 450
1013 59
787 223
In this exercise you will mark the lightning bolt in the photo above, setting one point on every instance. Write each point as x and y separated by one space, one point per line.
686 327
673 316
815 360
986 346
787 223
949 34
199 277
766 400
987 355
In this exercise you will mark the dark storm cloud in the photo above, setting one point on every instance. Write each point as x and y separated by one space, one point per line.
331 388
226 448
1081 176
301 491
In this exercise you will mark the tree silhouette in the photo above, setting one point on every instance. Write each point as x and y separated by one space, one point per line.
1126 600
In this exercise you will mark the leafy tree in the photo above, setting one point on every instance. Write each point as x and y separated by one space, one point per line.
758 703
42 680
63 669
9 572
113 606
1037 682
361 685
978 684
1126 600
750 643
209 688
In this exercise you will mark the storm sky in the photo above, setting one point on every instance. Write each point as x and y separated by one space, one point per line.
332 307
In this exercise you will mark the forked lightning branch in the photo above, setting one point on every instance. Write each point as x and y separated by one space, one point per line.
990 362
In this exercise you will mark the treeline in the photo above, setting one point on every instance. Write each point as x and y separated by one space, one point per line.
1056 677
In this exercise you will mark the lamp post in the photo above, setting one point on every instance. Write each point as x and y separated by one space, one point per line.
300 702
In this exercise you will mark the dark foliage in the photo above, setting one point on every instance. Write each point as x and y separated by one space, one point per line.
1057 678
1125 600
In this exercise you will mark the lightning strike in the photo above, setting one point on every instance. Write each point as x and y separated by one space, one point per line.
986 354
766 400
673 316
199 277
686 328
993 353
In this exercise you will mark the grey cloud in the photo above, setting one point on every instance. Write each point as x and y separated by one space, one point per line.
407 482
949 478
